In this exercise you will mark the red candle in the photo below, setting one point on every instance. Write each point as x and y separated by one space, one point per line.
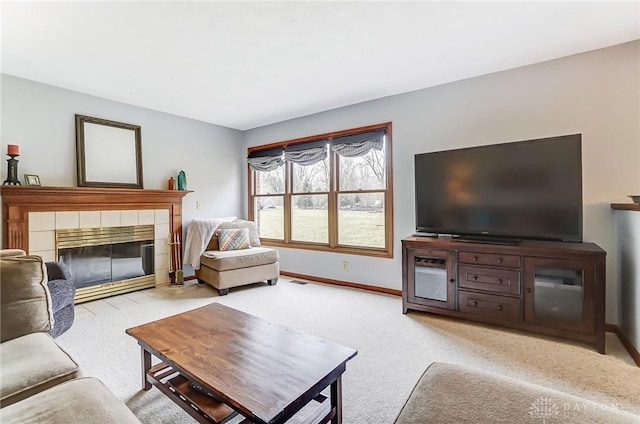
13 150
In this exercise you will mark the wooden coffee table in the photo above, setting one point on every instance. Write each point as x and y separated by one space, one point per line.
247 365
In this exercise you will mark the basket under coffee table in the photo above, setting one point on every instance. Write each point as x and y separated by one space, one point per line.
241 364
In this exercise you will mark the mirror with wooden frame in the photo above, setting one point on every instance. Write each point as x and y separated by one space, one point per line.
109 153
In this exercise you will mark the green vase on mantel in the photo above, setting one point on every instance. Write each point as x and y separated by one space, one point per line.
182 181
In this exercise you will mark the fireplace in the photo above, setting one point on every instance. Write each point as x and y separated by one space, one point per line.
35 218
108 261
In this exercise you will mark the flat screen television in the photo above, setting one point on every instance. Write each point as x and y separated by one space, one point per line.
503 192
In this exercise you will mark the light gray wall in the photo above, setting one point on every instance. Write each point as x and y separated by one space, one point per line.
628 235
595 93
40 119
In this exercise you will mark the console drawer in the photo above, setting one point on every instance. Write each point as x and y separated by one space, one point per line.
489 279
507 261
504 307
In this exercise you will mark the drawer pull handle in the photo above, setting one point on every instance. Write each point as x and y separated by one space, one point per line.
499 280
499 260
475 303
475 278
474 259
500 307
452 280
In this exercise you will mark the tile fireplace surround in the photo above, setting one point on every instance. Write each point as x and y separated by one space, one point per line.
31 216
43 226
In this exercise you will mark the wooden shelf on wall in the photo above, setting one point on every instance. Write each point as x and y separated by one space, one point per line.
18 201
626 206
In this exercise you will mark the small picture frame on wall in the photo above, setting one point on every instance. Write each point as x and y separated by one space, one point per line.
31 180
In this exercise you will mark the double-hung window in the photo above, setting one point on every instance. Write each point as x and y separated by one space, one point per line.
328 192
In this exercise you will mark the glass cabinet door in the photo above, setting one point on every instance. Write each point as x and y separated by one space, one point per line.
559 294
431 280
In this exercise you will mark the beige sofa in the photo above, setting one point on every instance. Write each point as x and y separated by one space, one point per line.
232 268
40 382
448 393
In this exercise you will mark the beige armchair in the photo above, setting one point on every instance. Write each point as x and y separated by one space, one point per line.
223 266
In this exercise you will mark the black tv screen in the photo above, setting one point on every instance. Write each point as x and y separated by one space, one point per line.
521 190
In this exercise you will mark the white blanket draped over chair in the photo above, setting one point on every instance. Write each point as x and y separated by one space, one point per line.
199 233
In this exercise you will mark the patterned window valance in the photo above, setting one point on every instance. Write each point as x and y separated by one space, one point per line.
266 160
358 144
308 153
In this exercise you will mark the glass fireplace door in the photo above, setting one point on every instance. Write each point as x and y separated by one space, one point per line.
105 261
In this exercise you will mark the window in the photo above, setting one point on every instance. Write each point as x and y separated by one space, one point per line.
328 192
269 190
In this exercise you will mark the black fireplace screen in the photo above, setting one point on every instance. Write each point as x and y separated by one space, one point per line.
95 265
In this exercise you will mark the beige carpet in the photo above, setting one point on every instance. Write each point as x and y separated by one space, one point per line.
393 349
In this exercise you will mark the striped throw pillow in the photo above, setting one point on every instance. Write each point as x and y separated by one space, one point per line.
234 239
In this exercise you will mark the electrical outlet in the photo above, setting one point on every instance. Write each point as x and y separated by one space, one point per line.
345 266
198 204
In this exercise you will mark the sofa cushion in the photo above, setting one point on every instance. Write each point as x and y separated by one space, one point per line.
233 239
234 259
12 252
84 400
448 393
31 364
25 302
254 237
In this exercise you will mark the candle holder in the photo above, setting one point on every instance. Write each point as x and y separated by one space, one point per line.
12 174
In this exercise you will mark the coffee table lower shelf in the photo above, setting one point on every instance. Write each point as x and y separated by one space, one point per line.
206 409
202 407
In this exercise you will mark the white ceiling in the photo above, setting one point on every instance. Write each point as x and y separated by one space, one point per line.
247 64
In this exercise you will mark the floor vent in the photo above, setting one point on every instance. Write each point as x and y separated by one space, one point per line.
298 282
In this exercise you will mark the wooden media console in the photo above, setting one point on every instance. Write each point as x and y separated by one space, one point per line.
552 288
